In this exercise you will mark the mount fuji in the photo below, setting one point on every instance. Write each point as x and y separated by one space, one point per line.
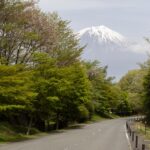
111 49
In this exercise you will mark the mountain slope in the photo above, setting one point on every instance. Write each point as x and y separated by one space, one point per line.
101 34
111 49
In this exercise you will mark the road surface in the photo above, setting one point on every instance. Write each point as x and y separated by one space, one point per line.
105 135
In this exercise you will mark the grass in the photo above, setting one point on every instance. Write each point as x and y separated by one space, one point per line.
9 133
97 118
141 129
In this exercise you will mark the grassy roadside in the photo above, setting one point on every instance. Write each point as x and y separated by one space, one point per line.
97 118
9 133
143 130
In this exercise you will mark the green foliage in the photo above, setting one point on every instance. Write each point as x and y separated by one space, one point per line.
16 94
84 113
124 108
132 81
5 108
147 95
66 48
105 94
15 87
60 90
26 30
132 84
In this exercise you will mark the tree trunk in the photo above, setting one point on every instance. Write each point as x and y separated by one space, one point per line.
57 121
29 126
46 125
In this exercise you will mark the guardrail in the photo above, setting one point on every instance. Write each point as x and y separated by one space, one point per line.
137 141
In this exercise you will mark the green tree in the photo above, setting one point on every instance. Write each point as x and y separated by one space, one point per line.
132 84
105 95
124 108
66 49
60 90
16 94
147 95
24 30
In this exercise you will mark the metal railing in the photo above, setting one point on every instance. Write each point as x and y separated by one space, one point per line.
137 140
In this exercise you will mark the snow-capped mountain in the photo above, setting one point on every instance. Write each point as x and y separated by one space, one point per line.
111 49
102 35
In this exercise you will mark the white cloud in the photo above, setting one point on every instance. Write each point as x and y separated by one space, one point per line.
142 47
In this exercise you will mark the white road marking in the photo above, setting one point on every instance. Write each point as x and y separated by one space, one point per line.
130 147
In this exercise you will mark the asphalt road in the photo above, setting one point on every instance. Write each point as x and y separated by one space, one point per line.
105 135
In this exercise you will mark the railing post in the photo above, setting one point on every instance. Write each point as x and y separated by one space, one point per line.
143 146
130 131
127 125
136 142
133 136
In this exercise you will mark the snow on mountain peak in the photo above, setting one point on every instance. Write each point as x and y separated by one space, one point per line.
101 34
112 49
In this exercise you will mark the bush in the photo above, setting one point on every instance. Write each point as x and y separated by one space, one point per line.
124 108
84 113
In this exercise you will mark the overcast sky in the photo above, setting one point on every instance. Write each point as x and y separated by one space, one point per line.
129 17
